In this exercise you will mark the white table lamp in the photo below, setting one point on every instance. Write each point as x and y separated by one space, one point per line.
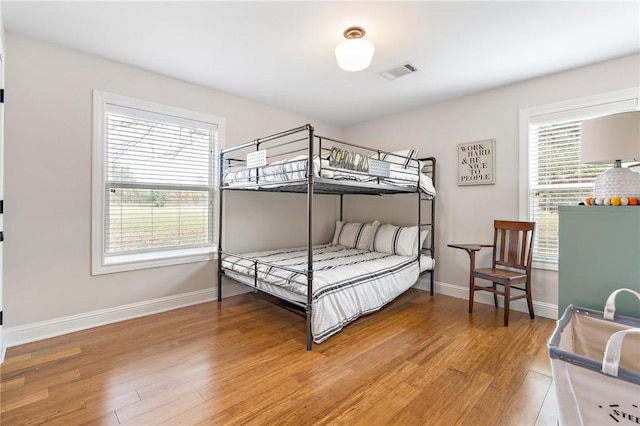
613 139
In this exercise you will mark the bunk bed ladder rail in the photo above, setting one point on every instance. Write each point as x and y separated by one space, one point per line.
431 248
431 167
257 142
310 175
255 275
433 222
419 222
220 197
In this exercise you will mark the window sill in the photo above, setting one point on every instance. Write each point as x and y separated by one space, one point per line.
547 265
133 262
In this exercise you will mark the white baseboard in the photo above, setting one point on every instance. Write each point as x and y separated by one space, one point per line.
13 336
542 309
3 347
19 335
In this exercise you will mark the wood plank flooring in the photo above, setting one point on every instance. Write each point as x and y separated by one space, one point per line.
421 360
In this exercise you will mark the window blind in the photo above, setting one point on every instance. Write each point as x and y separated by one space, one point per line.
159 182
550 162
556 177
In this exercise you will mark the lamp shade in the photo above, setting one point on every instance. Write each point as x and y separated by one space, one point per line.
611 138
354 53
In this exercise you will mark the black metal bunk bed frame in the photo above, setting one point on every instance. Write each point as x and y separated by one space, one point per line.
317 185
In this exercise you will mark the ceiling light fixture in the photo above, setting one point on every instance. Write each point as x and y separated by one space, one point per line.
354 53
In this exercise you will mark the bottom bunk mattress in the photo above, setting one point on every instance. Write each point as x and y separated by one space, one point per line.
347 282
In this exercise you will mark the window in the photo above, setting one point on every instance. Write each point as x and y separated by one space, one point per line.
154 184
551 171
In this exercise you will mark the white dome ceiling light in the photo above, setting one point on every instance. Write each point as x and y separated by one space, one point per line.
354 53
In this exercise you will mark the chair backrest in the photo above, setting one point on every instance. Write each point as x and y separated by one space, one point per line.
513 244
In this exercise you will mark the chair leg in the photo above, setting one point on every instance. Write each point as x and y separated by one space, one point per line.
495 296
530 301
507 302
471 293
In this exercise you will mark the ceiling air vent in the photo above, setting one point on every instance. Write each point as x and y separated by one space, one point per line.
399 71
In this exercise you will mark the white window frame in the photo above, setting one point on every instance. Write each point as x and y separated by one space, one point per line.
102 264
583 108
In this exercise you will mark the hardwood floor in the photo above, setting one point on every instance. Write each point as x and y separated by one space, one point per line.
421 360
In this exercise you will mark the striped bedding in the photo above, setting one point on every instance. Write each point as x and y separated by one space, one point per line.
295 169
347 282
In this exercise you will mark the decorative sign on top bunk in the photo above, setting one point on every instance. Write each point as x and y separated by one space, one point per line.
475 163
257 159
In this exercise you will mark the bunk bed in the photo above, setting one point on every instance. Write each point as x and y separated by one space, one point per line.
367 264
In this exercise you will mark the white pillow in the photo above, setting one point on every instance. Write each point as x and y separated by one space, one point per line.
423 236
354 234
401 240
401 158
348 160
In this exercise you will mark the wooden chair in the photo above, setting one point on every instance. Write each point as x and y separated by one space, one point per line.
512 253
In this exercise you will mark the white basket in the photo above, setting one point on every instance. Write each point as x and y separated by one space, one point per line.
596 370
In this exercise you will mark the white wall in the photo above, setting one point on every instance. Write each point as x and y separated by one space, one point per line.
48 184
47 177
465 214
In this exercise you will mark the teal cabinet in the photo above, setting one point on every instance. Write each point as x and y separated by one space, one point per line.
599 253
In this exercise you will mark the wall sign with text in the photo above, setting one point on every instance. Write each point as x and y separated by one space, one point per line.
476 162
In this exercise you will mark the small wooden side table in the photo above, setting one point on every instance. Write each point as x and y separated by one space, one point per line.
471 250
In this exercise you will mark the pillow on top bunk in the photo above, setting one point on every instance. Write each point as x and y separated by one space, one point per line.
401 158
344 159
401 240
354 234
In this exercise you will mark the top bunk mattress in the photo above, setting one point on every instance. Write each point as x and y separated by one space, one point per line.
294 170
